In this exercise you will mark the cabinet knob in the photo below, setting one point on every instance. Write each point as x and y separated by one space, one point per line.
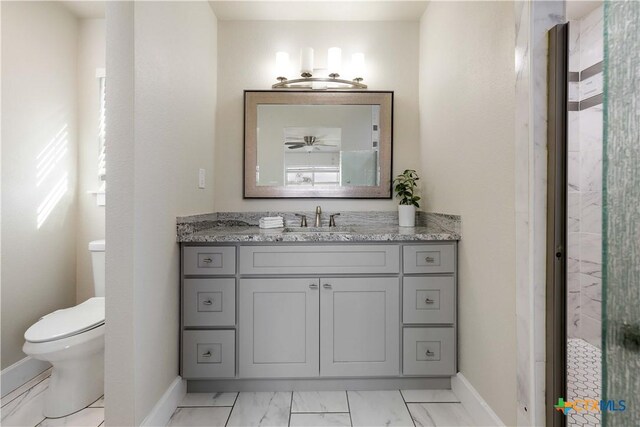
207 302
313 286
207 260
430 353
429 259
327 286
428 301
207 354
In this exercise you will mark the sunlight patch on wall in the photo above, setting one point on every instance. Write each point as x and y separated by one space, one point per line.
49 163
51 155
52 199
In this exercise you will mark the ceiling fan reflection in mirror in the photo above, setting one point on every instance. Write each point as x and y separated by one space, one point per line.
312 139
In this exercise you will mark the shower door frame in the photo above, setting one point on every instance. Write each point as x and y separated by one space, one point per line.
556 260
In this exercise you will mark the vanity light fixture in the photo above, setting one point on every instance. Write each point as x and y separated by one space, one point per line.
282 65
319 82
334 62
357 66
306 62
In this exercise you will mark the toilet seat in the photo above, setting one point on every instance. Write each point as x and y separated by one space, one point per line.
67 322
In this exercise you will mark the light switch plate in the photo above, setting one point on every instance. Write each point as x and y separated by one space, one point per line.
201 178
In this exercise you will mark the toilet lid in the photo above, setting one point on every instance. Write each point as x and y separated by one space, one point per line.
67 322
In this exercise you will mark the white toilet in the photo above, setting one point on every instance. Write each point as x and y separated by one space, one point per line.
72 340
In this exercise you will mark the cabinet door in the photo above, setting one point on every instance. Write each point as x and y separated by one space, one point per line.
359 327
279 328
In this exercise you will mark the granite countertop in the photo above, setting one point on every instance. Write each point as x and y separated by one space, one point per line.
233 227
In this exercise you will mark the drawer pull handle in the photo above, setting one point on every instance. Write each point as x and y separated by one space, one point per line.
429 259
327 286
207 260
429 301
313 286
430 353
208 302
207 354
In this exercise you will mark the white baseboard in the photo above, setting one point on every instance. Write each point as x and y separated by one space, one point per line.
480 411
20 372
166 406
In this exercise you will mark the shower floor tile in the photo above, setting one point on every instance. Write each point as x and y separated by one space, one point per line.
584 376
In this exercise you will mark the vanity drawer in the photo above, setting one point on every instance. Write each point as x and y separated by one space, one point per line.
429 258
428 299
320 259
429 351
209 302
208 354
209 260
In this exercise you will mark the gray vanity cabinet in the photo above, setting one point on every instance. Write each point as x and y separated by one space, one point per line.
279 327
291 314
359 327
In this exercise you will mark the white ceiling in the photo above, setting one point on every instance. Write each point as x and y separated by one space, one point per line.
85 9
578 9
318 10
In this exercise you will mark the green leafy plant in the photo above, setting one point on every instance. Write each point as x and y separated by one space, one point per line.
405 187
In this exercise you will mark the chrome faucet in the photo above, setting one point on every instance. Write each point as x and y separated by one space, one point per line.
332 219
318 222
303 220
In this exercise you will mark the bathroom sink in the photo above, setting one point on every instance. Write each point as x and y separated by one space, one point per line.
318 230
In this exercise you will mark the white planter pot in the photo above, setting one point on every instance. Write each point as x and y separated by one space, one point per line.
406 215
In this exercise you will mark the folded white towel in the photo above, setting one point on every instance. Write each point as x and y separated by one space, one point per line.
271 225
271 222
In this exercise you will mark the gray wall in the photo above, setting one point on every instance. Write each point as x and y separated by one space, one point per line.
467 103
90 224
39 163
246 61
155 150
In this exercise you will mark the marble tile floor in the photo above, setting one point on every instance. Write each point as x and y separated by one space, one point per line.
23 407
325 408
584 377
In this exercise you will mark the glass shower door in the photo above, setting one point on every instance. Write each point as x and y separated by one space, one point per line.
621 222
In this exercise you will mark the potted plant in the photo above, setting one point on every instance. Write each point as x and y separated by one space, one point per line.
405 187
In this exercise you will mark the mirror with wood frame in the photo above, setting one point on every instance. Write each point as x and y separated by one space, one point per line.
311 144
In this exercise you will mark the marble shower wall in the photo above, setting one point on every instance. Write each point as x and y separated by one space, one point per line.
533 20
584 264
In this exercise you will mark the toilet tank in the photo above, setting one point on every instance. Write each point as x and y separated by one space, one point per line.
97 261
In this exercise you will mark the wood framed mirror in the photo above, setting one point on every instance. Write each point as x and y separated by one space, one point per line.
312 144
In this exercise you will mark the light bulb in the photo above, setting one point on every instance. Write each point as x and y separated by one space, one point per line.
282 65
306 62
357 64
334 61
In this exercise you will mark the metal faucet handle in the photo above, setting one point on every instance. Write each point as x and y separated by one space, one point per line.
303 220
332 220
